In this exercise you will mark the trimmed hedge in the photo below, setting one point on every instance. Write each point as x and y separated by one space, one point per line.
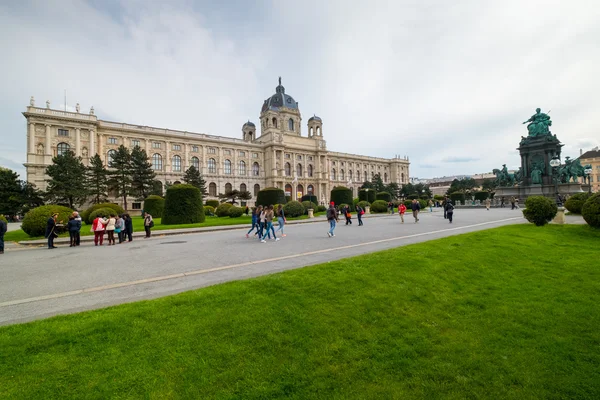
85 216
366 195
342 195
385 196
183 205
209 210
413 197
591 211
34 222
481 196
105 212
363 204
379 206
308 205
213 203
155 205
575 203
310 197
223 209
539 210
293 209
321 208
268 196
236 212
457 196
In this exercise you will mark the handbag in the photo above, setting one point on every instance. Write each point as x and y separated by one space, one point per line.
151 224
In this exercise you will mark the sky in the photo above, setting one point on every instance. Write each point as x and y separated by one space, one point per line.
447 84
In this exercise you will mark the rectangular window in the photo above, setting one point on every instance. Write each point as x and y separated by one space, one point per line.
194 149
177 147
211 150
242 154
299 158
254 155
136 206
63 132
135 143
310 158
288 156
155 145
112 140
227 152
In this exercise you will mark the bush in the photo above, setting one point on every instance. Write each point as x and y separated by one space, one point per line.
481 196
341 195
308 205
223 210
591 211
366 195
3 218
321 208
457 196
209 210
438 197
155 205
385 196
355 202
85 216
105 212
539 210
34 222
379 206
270 196
413 197
575 203
213 203
407 203
183 205
236 212
363 204
309 197
424 197
424 204
293 209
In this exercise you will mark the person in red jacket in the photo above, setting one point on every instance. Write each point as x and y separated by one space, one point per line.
401 211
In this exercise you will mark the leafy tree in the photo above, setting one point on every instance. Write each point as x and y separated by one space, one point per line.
97 176
10 191
30 197
378 184
67 184
489 185
157 188
233 195
194 177
407 190
142 175
393 189
367 185
421 189
120 176
462 186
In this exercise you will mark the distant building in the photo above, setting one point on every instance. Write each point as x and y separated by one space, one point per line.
592 157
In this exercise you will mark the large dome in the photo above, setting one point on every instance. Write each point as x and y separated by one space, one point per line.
279 99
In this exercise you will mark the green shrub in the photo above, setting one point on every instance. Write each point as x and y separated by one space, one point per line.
154 205
481 196
85 216
591 211
424 204
308 205
407 203
424 197
539 210
268 196
321 208
363 204
385 196
209 210
341 195
236 212
183 205
310 197
213 203
105 212
457 196
34 222
223 210
575 203
413 197
379 206
366 195
293 209
3 218
438 197
288 199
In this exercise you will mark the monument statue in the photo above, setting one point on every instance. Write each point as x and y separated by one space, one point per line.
536 175
539 124
77 108
47 103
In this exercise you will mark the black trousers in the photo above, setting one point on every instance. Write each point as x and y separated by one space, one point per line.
2 243
450 216
73 238
359 219
51 240
129 236
147 229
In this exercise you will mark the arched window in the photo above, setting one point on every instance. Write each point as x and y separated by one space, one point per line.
288 169
176 165
299 170
291 124
62 148
310 170
228 187
333 175
212 189
385 177
256 189
242 168
342 175
299 191
288 190
156 162
350 174
110 157
366 177
227 167
243 187
177 183
274 122
358 175
255 169
195 163
318 131
212 166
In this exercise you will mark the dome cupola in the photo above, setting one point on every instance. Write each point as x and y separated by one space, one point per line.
279 99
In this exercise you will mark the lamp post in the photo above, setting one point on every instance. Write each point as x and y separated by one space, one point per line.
588 173
555 163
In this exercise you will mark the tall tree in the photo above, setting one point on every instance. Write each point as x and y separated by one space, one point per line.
97 176
120 176
142 175
367 185
462 185
233 195
67 184
194 177
489 184
10 191
393 189
30 197
378 184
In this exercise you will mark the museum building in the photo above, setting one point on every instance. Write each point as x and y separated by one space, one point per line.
279 157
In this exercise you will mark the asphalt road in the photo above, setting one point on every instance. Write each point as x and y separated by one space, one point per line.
37 283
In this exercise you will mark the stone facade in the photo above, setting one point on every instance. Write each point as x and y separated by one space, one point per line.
279 157
592 157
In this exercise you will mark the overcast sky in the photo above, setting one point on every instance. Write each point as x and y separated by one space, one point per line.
447 83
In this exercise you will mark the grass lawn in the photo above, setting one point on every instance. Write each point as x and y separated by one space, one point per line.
507 313
138 226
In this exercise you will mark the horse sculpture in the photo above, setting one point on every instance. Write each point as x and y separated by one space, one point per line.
504 179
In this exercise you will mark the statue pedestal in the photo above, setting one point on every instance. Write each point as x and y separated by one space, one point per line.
560 216
311 213
536 152
367 209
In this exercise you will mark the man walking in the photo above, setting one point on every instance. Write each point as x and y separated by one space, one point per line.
488 203
449 210
332 218
444 206
415 207
359 213
3 229
502 202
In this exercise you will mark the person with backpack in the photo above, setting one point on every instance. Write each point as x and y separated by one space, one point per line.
148 224
449 208
401 211
415 207
359 214
332 218
120 228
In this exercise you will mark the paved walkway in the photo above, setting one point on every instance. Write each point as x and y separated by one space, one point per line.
38 283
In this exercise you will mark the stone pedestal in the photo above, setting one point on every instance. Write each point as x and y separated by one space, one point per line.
560 216
536 153
367 209
310 213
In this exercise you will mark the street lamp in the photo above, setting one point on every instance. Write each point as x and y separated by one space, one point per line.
555 163
588 173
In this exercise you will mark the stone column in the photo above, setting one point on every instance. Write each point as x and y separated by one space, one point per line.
48 141
147 145
31 138
92 151
186 157
167 152
78 142
100 147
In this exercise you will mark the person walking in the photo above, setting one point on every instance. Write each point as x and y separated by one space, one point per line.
512 203
262 222
148 224
430 205
415 207
3 229
502 202
488 204
269 214
128 227
73 226
51 233
254 221
280 220
449 210
347 215
359 214
98 226
332 218
401 211
391 207
446 199
77 217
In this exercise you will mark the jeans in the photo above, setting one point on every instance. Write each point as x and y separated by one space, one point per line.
268 232
281 222
331 226
254 225
260 227
359 219
450 216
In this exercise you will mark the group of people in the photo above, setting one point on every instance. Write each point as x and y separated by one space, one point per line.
122 225
262 222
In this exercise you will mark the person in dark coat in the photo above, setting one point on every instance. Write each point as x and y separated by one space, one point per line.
3 229
51 233
73 226
415 207
449 210
359 213
128 227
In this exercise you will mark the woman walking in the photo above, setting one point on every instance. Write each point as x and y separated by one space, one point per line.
98 226
280 220
430 205
73 226
110 229
347 215
120 228
128 228
254 221
269 214
359 214
261 221
449 210
488 203
148 224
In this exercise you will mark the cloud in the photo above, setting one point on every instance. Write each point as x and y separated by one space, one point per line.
460 159
429 166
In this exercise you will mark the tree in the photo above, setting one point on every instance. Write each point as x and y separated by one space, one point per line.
489 185
67 184
30 197
233 195
378 184
142 175
367 185
463 185
194 177
120 176
422 189
97 176
10 191
407 190
393 189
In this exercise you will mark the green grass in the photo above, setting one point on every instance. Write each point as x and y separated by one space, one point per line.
508 313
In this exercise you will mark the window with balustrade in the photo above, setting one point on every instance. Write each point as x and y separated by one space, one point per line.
63 132
157 164
288 169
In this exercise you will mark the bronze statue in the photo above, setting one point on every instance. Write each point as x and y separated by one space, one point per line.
536 175
539 124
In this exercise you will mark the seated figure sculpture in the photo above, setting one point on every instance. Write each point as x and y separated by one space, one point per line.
539 124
